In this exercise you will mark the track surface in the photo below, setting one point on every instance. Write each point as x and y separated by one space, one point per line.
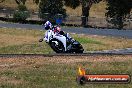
52 55
115 51
105 32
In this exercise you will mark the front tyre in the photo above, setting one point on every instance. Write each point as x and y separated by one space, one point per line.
57 46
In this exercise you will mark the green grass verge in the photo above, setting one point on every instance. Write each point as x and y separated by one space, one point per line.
85 40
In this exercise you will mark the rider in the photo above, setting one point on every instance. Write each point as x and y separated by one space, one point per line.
56 29
48 26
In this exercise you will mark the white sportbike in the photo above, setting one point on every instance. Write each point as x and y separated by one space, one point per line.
61 43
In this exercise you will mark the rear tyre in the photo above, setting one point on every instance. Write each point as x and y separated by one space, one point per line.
77 47
57 46
79 52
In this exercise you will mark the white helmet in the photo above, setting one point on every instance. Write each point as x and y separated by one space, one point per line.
48 25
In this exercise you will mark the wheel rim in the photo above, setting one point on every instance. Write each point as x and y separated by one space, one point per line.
57 46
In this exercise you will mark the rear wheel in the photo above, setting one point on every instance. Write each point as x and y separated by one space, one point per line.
77 47
57 46
79 51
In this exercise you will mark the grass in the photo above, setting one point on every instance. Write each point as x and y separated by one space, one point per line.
27 49
17 41
94 42
22 41
60 72
85 40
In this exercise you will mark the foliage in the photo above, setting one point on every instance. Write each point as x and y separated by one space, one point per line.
21 14
86 5
19 2
22 8
36 1
2 1
118 10
52 7
72 3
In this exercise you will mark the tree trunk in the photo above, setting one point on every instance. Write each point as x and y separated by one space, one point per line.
120 22
85 14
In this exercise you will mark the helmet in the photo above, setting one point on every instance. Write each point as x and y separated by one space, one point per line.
57 29
48 25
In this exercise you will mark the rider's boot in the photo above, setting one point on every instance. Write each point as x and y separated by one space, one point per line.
41 40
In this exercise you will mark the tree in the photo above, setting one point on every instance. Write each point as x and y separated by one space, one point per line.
44 5
53 7
22 2
22 13
86 5
2 1
36 1
118 10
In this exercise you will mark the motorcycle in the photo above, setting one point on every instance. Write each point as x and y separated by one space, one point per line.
61 43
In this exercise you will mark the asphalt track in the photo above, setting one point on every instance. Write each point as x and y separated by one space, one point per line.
61 54
91 31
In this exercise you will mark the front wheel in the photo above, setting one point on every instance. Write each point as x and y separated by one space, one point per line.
57 46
